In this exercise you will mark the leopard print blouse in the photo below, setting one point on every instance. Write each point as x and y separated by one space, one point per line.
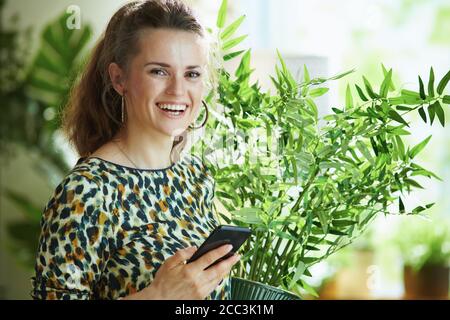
108 228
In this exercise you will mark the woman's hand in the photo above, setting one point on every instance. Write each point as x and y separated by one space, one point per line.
176 280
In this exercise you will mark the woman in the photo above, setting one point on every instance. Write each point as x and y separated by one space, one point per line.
129 214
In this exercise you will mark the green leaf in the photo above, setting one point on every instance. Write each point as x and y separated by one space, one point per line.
432 112
323 218
418 170
422 114
386 84
418 209
385 72
306 77
419 147
410 97
403 108
298 273
247 215
401 206
343 223
396 100
413 183
443 83
422 89
348 98
47 86
439 112
233 42
31 211
311 248
231 29
401 146
44 62
288 76
361 93
431 83
341 75
232 55
244 65
369 89
294 169
337 232
365 151
317 92
410 93
397 117
446 99
221 17
312 105
309 289
398 131
57 61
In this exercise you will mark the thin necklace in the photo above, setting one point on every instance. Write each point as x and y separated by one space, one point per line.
118 146
121 150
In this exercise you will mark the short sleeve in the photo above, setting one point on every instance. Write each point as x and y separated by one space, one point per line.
75 242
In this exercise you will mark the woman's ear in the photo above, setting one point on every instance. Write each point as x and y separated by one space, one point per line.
117 76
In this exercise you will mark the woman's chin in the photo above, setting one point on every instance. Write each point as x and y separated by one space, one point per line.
173 131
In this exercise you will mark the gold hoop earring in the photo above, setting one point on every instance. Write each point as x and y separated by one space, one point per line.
123 108
204 121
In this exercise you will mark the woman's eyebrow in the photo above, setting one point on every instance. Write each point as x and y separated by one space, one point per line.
162 64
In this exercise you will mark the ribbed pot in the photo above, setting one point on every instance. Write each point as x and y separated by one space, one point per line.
243 289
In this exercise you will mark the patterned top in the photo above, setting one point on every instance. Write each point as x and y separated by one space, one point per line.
108 228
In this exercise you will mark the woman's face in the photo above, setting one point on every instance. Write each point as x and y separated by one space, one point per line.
165 81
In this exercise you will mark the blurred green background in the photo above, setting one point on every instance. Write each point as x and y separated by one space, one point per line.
40 56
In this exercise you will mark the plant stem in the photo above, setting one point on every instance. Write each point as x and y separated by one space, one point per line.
290 246
268 241
294 208
255 255
275 275
272 257
305 188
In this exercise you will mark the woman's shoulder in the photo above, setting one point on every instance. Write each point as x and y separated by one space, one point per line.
86 180
82 179
87 170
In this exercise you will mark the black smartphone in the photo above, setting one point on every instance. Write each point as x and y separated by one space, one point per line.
222 235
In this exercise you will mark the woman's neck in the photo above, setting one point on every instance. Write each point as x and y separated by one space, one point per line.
145 149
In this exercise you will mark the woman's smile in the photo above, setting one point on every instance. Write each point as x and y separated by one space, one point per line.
173 110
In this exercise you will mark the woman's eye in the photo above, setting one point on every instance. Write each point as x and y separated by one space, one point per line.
193 74
158 72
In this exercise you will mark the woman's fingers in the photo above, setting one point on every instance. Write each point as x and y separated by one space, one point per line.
179 257
220 270
177 280
216 274
212 256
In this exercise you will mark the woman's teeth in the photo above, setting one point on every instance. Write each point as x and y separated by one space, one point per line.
172 109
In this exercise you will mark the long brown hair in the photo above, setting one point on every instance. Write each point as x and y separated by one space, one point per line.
92 115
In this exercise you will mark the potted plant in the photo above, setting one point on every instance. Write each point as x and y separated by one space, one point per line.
308 189
424 246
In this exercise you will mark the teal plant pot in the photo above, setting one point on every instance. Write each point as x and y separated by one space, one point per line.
243 289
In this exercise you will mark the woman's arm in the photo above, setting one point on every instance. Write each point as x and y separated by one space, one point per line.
74 245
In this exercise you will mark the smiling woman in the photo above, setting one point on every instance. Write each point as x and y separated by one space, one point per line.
129 214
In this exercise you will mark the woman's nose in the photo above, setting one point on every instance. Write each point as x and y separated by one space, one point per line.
175 86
